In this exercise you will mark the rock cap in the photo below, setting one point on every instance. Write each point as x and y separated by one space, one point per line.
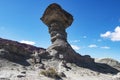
54 13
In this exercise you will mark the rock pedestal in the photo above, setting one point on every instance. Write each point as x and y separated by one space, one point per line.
57 21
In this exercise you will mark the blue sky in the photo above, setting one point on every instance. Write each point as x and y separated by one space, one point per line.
95 30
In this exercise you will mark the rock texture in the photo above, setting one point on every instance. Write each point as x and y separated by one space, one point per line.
18 72
57 21
17 52
58 62
111 62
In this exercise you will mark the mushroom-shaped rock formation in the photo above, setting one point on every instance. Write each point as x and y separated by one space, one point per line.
57 21
54 13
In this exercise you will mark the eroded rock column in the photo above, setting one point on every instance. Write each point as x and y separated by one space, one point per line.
57 21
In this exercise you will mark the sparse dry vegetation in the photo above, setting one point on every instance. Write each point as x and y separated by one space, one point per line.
50 72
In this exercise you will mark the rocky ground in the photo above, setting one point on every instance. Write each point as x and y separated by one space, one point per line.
16 63
58 62
13 71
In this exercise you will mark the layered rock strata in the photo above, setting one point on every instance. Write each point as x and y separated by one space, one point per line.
57 21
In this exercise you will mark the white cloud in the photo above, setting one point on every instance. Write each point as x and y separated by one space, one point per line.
105 47
107 34
114 36
75 47
27 42
92 46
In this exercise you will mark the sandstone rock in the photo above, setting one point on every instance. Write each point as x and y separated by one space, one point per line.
57 20
55 13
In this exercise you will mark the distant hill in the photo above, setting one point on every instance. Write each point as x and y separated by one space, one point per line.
109 61
13 50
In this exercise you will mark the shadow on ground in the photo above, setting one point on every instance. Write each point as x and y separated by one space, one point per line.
19 59
99 67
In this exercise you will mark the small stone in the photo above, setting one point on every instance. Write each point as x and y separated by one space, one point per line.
23 72
20 76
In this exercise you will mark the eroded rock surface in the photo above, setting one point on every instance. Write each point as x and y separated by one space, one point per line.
57 21
109 61
17 52
12 54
